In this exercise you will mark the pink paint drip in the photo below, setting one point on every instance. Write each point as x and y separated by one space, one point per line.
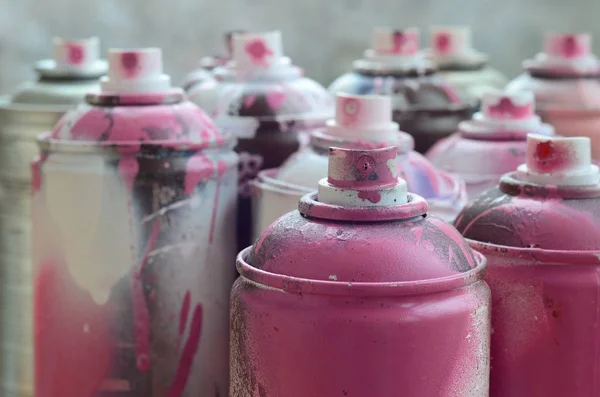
187 357
140 309
130 64
372 195
506 108
128 170
275 99
183 316
198 168
36 172
249 101
442 43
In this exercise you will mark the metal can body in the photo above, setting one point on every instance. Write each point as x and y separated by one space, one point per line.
328 342
345 298
33 110
131 276
544 317
539 232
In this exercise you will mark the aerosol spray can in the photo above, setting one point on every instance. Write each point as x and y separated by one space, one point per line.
267 104
33 109
565 79
208 64
467 69
361 122
540 231
492 143
425 105
134 202
360 293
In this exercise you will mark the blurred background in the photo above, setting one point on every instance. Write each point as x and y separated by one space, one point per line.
322 36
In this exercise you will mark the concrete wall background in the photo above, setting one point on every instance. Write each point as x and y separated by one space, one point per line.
322 36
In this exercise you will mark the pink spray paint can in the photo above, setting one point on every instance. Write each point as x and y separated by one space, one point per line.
540 232
265 101
361 122
425 104
360 293
209 63
565 79
134 202
467 69
492 143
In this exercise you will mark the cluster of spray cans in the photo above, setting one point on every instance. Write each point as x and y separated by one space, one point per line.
140 196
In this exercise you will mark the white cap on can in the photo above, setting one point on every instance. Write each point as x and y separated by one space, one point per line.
567 46
135 71
561 161
257 52
76 54
388 41
358 178
366 117
451 41
508 106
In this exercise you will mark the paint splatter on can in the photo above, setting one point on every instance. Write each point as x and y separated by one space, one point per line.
134 201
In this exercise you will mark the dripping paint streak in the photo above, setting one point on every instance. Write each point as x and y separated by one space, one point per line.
140 309
183 315
187 357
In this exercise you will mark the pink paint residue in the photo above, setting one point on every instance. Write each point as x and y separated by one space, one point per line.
189 352
258 51
398 40
551 156
183 315
442 43
128 170
249 101
198 168
275 99
572 48
36 172
73 341
371 195
130 64
507 109
141 314
350 110
75 54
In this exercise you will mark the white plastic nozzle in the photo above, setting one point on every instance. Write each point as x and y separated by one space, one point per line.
257 52
135 71
500 105
388 41
367 117
559 161
359 178
76 54
567 46
451 41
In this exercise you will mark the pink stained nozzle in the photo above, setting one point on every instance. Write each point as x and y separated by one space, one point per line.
78 54
366 117
451 41
135 71
506 106
257 53
559 161
362 178
567 46
388 41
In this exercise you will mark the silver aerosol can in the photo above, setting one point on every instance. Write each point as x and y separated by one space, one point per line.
33 109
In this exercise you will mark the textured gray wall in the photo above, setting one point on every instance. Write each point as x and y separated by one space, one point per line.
322 36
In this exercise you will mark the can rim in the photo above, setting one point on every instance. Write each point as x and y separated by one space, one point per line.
47 143
537 255
297 285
